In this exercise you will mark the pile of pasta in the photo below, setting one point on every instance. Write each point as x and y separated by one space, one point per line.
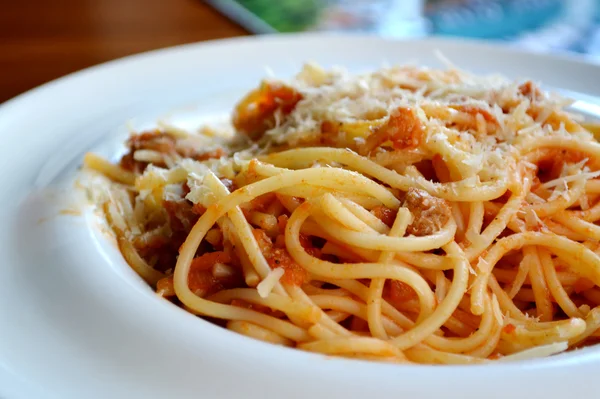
408 215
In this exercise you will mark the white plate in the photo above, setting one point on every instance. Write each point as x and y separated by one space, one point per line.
76 322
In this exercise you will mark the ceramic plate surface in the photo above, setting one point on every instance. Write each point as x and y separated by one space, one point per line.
77 322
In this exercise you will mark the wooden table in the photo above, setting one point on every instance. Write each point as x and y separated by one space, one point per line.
41 40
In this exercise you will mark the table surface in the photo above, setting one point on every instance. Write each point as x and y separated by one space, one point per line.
41 40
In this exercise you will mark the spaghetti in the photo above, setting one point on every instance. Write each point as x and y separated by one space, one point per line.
408 215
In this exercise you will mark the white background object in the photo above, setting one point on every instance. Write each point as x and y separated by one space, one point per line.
77 322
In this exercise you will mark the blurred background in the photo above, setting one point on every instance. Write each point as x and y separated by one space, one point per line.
41 40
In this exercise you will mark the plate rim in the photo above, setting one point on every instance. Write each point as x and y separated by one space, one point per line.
575 58
21 99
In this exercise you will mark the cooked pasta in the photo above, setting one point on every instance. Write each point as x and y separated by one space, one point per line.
408 215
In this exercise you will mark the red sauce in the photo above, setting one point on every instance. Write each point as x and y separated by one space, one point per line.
261 202
255 114
294 273
529 90
397 292
279 257
202 282
403 129
214 154
441 169
330 133
282 223
209 259
474 110
200 278
386 215
552 160
509 328
165 287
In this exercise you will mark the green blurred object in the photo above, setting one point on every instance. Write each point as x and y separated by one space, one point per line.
285 15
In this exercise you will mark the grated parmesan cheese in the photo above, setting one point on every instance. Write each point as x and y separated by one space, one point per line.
562 181
265 287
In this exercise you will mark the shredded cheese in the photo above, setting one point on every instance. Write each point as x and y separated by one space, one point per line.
561 181
265 287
